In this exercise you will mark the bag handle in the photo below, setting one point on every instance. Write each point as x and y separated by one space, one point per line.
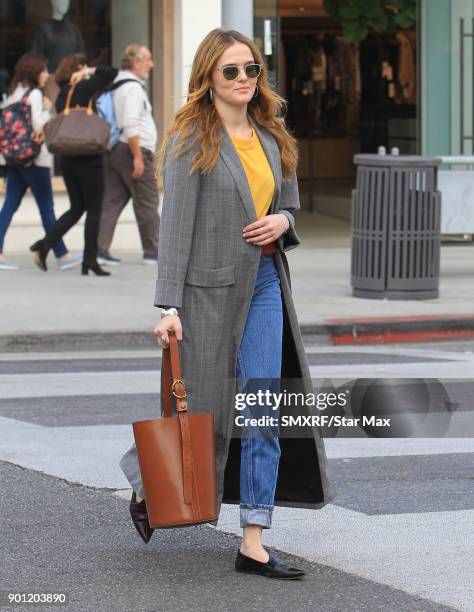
67 108
173 384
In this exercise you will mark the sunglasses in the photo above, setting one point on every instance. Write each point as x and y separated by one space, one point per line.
232 72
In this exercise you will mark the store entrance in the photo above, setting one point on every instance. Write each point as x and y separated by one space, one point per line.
344 99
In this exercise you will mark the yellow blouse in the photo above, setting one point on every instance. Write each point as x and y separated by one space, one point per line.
258 171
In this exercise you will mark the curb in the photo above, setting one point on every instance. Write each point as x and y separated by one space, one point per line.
386 330
337 332
77 341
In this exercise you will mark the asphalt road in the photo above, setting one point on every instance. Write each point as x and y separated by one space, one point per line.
398 536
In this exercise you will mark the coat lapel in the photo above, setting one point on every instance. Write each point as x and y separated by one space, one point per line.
273 155
232 160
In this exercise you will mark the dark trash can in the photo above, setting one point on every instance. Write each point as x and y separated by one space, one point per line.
396 212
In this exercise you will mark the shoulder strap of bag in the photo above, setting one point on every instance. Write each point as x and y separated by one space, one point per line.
115 86
27 93
118 84
173 384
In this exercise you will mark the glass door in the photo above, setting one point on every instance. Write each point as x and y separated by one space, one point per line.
267 36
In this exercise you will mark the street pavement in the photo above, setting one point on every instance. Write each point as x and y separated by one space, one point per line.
398 536
62 310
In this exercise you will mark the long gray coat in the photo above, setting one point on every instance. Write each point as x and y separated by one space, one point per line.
208 271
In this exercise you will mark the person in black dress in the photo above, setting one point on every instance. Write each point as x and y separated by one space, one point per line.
84 174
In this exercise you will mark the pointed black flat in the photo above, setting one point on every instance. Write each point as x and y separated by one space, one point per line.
140 518
273 568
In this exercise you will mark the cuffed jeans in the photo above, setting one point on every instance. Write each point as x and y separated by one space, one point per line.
38 179
259 369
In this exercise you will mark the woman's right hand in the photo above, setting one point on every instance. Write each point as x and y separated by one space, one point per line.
79 75
169 323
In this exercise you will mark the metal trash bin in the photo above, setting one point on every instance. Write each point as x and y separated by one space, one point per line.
396 212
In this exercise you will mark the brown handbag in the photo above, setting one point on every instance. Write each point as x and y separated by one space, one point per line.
77 131
177 455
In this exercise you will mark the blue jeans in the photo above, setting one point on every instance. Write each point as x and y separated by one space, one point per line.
259 369
38 179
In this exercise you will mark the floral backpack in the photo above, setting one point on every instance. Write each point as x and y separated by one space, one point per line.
17 143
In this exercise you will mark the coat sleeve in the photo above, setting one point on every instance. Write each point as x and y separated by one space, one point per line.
289 202
104 75
180 198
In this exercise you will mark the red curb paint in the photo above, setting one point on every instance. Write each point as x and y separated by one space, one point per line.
398 337
438 317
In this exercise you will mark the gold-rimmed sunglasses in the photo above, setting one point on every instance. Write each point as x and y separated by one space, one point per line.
232 72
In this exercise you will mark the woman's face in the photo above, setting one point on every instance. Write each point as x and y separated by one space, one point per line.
43 77
241 90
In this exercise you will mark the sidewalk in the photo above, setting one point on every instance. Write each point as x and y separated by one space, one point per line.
63 309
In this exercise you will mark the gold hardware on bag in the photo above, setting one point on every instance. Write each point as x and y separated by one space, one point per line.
175 382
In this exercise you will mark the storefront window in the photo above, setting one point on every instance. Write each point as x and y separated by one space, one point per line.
343 98
54 29
267 37
99 28
366 92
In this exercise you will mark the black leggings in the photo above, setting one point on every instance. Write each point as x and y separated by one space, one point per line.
85 187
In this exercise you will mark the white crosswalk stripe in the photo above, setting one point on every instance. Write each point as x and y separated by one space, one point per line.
428 554
78 383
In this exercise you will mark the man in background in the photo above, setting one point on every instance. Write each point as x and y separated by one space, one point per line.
129 169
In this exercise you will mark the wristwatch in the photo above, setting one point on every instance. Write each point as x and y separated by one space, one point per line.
168 311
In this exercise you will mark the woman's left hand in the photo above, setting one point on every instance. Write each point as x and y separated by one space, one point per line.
265 230
38 137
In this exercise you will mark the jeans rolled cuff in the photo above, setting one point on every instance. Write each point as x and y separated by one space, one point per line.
256 516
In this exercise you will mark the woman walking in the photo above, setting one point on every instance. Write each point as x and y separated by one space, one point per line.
29 78
83 174
228 168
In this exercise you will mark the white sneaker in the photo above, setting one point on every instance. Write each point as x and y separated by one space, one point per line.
150 261
108 260
6 264
70 262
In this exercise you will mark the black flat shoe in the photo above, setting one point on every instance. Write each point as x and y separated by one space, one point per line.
98 271
140 518
41 253
273 568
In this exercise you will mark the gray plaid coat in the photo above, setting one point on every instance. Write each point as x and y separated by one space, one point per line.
208 271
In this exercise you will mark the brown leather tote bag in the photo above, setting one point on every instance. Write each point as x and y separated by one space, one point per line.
177 456
77 131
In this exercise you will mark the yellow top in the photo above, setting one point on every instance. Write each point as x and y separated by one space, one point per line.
258 171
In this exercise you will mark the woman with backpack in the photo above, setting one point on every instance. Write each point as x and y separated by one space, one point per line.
83 174
29 77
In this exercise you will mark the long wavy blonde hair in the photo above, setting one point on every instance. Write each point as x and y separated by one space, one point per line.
198 122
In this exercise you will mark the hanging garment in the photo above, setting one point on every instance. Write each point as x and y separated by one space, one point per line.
406 68
346 78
